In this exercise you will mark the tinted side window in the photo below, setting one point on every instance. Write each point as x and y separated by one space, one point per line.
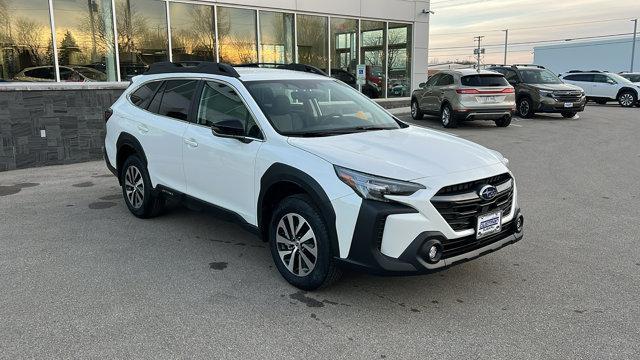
220 102
143 96
432 80
510 75
154 107
580 77
41 73
446 79
599 78
177 98
484 80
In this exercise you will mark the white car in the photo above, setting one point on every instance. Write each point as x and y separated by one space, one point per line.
325 175
633 77
603 87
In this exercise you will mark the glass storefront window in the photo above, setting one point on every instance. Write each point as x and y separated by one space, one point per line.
192 32
84 33
142 35
237 34
276 37
26 49
344 50
312 41
373 37
399 58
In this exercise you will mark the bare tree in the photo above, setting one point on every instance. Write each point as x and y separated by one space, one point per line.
32 37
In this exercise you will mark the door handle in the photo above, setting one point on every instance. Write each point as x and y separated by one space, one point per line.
191 143
143 129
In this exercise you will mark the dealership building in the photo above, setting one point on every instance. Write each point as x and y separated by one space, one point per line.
62 62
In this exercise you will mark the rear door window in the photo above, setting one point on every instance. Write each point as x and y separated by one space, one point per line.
580 77
177 98
143 96
445 80
482 80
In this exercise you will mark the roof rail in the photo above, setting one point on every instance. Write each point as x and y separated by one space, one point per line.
528 65
205 67
292 66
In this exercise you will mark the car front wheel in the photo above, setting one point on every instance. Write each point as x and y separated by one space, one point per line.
627 99
568 114
525 108
300 244
416 112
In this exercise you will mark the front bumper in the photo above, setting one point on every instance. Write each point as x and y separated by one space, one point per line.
366 253
551 105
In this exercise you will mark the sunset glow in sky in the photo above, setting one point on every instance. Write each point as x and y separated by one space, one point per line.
457 22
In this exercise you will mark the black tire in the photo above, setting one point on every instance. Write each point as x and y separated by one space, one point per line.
152 203
525 108
324 270
568 114
627 98
503 122
601 101
416 112
447 118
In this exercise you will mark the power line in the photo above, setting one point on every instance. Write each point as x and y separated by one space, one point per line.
536 42
532 27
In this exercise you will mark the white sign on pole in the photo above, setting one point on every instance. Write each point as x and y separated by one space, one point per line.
361 74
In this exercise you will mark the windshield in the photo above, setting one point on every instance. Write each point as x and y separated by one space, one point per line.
535 76
619 78
318 108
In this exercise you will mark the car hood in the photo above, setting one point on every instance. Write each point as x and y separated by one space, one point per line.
564 87
404 154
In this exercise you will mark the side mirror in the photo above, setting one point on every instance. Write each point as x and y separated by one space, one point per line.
422 85
230 128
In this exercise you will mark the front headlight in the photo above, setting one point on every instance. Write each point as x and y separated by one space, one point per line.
375 187
499 155
546 93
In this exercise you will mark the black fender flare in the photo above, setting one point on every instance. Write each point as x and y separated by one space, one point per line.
279 173
126 139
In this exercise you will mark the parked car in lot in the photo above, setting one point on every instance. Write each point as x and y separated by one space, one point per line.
603 87
465 94
71 73
315 168
540 90
633 77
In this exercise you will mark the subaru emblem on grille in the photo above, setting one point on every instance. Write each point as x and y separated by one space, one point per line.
488 192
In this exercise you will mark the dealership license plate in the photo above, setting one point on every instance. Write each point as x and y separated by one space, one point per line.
489 224
488 99
568 105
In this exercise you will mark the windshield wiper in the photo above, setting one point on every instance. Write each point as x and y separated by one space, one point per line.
373 128
342 131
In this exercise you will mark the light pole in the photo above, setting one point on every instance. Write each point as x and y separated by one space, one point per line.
633 49
506 42
478 51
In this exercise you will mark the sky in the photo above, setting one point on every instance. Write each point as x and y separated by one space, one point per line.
456 22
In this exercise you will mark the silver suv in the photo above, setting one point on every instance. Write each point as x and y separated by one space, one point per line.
465 94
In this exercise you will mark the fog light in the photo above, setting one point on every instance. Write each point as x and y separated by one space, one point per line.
519 223
432 250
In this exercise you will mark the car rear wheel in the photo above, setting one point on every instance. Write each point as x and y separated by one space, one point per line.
504 122
568 114
138 193
627 98
447 117
300 244
416 112
525 107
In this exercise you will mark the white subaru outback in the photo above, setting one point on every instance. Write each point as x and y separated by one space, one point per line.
325 175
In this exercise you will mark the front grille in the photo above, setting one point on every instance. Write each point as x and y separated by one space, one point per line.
460 205
569 96
466 244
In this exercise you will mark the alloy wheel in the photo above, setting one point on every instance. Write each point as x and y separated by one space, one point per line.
134 187
446 116
626 99
524 108
414 109
296 244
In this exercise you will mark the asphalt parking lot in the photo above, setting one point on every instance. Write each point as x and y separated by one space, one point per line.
82 278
